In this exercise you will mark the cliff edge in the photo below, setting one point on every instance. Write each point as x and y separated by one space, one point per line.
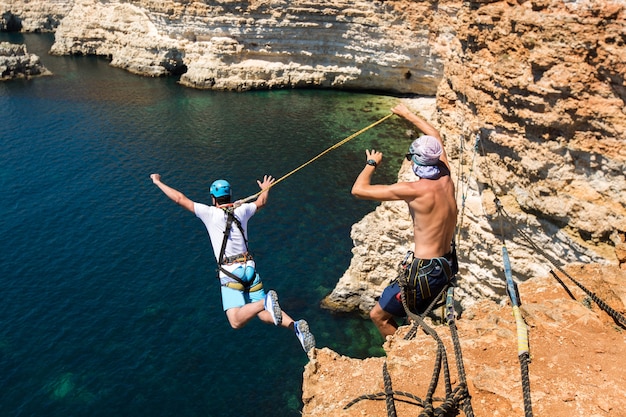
576 355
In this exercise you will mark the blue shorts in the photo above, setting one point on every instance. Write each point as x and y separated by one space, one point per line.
233 298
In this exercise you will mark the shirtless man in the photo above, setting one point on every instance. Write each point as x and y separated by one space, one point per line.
432 205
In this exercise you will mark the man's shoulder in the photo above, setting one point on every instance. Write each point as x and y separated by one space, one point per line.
246 209
201 208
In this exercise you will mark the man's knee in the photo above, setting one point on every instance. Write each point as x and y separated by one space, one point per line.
233 319
377 314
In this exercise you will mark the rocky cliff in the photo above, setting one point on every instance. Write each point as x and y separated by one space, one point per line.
532 106
32 16
575 354
16 62
237 45
530 98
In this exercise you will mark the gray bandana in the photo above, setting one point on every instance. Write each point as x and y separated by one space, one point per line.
430 172
426 150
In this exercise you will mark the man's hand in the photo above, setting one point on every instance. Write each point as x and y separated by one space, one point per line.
419 122
173 194
401 110
374 156
265 185
268 180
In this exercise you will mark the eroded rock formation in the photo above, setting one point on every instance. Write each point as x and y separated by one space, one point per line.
32 16
16 62
236 45
532 110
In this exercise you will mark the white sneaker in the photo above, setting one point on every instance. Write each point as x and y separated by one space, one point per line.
304 335
271 305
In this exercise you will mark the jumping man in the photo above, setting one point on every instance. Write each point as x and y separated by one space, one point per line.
243 296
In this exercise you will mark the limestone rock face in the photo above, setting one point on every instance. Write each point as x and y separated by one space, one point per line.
16 62
574 348
32 16
541 85
229 45
122 32
531 106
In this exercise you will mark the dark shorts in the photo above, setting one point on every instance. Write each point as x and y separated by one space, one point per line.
425 278
389 301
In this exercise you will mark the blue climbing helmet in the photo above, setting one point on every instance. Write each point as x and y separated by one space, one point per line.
220 188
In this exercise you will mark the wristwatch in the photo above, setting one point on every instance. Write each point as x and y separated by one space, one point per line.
371 162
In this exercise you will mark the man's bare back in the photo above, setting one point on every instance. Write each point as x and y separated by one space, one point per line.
434 213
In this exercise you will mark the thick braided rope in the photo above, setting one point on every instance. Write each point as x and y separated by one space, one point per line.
461 393
391 407
440 359
524 359
455 399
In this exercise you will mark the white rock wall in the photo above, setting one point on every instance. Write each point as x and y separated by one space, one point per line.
233 45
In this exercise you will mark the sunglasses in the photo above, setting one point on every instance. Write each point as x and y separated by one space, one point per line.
409 156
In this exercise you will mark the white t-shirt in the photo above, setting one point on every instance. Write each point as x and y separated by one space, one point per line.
214 220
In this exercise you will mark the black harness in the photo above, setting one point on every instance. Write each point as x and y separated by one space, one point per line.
222 259
414 277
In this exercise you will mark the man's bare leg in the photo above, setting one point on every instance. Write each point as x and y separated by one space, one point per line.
238 317
384 321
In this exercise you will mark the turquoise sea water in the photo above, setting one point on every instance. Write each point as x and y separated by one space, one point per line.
110 304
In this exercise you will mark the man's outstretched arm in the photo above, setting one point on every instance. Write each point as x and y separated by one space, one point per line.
265 186
173 194
425 127
362 187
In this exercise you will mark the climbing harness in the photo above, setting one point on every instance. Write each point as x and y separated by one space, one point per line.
415 278
455 399
238 284
240 258
335 146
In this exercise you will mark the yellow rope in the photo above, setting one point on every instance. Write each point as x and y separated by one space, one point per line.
335 146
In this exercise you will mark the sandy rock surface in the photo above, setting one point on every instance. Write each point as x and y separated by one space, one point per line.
576 349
